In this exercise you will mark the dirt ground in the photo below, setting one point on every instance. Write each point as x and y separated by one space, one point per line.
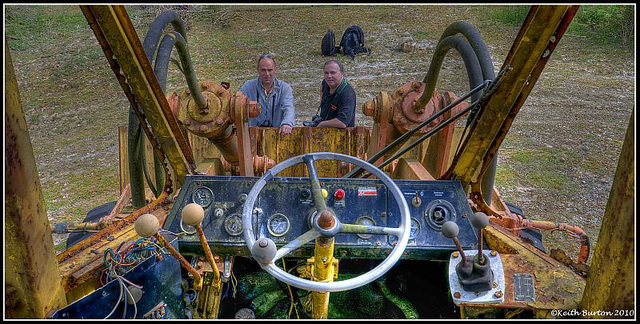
557 162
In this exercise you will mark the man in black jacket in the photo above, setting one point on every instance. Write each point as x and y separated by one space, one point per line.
338 104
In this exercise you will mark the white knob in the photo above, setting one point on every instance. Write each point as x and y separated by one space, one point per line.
147 225
192 214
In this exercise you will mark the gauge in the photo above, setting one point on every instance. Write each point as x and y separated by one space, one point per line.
203 196
415 229
366 221
278 224
233 224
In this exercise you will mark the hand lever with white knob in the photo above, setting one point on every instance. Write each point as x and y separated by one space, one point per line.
193 214
147 225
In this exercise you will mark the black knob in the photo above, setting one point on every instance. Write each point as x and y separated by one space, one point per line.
450 229
305 194
479 220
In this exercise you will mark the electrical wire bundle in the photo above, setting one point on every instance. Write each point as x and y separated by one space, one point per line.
120 261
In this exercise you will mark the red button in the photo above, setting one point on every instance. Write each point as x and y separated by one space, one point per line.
339 194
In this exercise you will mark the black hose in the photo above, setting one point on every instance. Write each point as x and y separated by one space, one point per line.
486 65
152 38
135 139
164 57
470 62
478 45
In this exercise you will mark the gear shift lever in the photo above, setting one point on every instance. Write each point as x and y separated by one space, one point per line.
193 214
147 225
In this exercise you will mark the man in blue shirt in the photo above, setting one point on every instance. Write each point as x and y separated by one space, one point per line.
274 97
338 104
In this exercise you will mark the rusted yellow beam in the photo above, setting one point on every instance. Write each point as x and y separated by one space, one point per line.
528 49
610 283
33 286
112 25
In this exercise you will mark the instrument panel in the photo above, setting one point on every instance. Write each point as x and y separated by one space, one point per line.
285 207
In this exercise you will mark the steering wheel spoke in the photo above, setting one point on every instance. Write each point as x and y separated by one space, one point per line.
316 190
368 229
295 244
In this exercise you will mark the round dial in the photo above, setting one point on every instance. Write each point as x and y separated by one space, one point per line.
278 224
233 224
367 221
415 228
203 196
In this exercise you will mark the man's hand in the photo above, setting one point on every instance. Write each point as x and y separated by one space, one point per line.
285 130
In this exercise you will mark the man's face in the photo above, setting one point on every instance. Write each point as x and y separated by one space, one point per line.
267 71
332 75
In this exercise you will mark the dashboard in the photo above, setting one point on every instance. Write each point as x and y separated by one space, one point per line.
284 209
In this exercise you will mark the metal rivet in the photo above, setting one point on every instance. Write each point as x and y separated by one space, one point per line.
498 294
494 253
457 294
455 254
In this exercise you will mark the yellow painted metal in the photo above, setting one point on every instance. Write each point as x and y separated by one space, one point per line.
556 285
210 296
323 271
122 39
411 169
610 284
521 61
33 286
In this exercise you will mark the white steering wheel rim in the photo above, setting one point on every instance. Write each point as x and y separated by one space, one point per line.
361 280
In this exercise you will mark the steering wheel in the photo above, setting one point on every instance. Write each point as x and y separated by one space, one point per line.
264 250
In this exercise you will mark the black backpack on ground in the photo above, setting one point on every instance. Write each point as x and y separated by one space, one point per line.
329 44
352 42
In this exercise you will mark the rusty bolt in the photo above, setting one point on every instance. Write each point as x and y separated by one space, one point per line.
455 254
253 109
203 128
498 294
367 109
188 91
219 121
494 253
215 257
457 294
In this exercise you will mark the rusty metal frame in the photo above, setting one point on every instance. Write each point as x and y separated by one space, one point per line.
123 49
532 44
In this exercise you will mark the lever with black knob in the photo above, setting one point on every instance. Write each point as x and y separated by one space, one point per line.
480 220
451 230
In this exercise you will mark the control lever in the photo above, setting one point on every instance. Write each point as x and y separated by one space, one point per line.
480 220
193 214
475 276
464 268
147 225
